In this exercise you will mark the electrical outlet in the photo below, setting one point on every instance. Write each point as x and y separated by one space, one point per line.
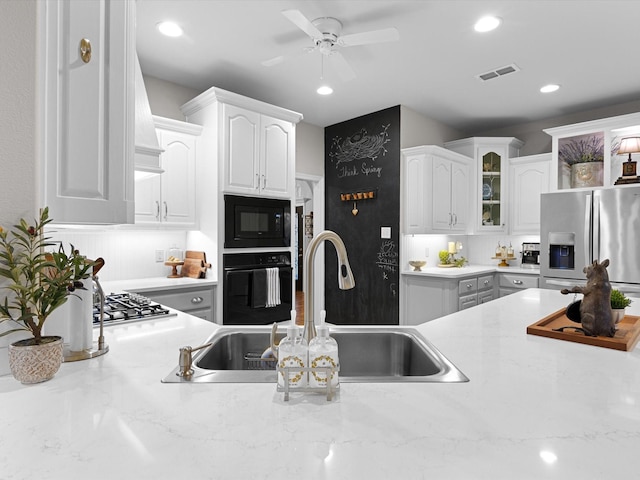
159 255
426 252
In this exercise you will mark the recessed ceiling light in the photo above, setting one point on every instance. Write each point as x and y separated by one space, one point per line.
550 88
325 90
170 29
486 24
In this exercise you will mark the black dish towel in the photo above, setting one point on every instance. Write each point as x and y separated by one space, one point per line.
259 289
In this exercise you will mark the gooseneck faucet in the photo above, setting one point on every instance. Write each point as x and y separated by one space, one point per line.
345 276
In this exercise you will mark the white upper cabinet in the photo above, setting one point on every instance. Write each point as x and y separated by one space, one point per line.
435 190
88 110
491 158
258 153
529 177
170 198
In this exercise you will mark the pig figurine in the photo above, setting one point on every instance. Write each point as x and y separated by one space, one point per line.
595 310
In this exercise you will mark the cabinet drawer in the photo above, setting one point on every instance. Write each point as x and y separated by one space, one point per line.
184 300
469 285
518 281
467 301
485 297
485 283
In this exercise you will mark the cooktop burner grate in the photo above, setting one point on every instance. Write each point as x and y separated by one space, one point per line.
128 307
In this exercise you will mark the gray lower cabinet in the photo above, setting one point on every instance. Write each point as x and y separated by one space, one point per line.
198 301
425 298
509 283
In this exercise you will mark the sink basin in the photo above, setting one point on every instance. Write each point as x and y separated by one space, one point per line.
367 354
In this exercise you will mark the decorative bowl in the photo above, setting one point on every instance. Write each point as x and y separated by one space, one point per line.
417 264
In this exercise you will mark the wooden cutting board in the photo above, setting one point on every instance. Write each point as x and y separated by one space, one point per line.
625 338
195 265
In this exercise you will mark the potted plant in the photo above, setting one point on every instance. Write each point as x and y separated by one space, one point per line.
38 281
584 155
618 303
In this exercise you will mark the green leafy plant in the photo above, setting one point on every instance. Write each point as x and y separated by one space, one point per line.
618 299
459 262
39 281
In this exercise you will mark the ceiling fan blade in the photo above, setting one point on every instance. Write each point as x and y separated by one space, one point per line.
374 36
272 61
343 68
302 22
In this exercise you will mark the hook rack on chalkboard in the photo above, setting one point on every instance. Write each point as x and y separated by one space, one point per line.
363 195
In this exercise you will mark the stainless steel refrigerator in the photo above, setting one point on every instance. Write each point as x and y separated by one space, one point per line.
582 226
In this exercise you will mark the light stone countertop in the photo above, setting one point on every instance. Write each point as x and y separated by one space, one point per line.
470 270
154 283
534 408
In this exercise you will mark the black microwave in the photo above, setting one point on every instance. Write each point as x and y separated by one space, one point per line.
256 222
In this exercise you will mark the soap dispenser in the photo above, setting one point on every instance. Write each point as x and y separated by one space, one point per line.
293 352
323 352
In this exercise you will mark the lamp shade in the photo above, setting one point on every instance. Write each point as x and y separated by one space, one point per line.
629 145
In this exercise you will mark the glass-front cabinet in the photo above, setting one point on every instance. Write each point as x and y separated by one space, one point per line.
491 155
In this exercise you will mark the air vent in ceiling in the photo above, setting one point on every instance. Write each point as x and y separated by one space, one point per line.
498 72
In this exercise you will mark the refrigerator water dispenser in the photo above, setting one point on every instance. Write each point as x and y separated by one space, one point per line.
562 250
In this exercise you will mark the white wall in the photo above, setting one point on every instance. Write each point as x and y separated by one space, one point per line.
416 129
309 149
165 98
18 124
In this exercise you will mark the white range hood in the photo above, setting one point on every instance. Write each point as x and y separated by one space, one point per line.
147 148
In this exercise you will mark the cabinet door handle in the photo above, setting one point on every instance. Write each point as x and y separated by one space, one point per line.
469 285
517 282
85 50
196 300
166 210
455 219
264 181
450 219
486 282
157 210
257 182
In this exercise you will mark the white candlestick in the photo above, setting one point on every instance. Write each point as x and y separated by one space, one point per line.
452 247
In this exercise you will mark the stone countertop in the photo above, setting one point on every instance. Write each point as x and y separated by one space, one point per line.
535 407
141 285
470 270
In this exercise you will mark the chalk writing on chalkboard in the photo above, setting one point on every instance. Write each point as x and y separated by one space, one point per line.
387 258
359 146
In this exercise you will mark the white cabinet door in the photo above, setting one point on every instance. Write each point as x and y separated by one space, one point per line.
460 183
178 180
435 190
414 192
241 140
170 198
148 200
277 145
89 110
529 179
441 194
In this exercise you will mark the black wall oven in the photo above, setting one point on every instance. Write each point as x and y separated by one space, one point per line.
257 288
256 222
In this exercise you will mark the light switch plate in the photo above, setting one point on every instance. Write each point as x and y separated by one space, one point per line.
385 232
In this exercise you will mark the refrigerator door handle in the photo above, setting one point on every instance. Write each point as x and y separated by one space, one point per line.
596 227
587 233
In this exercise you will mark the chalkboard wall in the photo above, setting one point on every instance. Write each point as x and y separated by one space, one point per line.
362 158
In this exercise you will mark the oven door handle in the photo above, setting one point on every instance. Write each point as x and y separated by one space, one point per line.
251 270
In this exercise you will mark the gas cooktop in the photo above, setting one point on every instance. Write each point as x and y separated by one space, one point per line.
128 307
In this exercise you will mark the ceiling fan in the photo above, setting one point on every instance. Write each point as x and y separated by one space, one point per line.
326 35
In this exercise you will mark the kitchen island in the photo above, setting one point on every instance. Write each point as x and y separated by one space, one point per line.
534 408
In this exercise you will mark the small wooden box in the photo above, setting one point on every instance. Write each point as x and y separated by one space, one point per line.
625 338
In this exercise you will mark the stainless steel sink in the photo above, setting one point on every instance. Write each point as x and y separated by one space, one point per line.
367 354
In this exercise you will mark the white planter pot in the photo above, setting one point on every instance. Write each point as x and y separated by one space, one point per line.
35 363
617 314
588 174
